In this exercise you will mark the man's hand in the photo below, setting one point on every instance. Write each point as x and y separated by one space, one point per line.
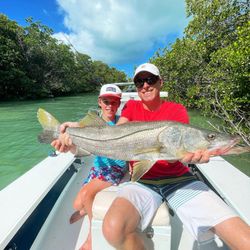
199 156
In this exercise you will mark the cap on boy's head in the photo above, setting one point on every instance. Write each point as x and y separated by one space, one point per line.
148 67
110 90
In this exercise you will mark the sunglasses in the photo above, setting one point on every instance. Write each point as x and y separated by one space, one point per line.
107 102
139 82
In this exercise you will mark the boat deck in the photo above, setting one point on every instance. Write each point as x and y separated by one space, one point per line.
31 189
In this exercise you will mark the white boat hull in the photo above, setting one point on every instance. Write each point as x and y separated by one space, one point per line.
20 199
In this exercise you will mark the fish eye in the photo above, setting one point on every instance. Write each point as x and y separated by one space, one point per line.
211 136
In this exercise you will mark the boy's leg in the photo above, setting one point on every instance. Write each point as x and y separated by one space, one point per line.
84 202
85 197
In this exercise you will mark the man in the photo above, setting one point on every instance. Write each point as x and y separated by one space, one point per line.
137 203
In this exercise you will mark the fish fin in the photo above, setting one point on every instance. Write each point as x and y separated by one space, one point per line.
50 126
47 121
140 168
47 136
92 119
147 150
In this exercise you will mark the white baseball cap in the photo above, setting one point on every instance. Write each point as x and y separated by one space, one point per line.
148 67
110 90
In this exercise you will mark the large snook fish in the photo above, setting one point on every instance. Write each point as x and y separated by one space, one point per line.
145 142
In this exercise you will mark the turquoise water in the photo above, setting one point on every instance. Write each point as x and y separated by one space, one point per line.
19 128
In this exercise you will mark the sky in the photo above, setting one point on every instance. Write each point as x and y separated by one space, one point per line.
121 33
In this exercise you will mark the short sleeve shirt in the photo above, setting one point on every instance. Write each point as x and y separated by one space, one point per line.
168 111
101 161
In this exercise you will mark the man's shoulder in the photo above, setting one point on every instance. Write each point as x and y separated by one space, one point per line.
171 104
132 103
175 112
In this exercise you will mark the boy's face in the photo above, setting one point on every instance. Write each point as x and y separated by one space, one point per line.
109 106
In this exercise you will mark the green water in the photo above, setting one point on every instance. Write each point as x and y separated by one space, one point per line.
19 128
242 161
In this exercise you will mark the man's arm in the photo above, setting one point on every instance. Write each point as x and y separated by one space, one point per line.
122 120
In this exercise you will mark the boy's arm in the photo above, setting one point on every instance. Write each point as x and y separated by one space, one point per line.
63 143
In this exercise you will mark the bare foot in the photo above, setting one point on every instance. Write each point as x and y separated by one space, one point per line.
77 215
87 245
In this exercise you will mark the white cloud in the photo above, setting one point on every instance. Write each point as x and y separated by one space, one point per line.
119 31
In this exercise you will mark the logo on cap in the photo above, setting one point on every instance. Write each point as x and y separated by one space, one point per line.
112 89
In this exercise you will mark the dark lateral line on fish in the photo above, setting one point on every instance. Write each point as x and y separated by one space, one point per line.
90 139
111 139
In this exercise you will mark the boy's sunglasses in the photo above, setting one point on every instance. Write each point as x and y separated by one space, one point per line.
107 102
139 82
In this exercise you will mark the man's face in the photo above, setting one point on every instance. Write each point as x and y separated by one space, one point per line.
148 92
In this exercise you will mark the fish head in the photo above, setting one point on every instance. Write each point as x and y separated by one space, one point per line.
216 143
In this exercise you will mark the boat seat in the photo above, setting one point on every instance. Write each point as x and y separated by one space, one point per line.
156 236
104 199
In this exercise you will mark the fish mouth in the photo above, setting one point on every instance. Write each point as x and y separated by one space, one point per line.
226 149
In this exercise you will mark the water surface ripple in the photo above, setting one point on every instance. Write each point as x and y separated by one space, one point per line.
19 128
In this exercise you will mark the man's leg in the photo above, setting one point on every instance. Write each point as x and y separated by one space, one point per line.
120 225
130 213
235 232
204 213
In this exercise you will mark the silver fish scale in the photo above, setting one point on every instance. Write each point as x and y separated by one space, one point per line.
141 140
146 140
115 132
126 145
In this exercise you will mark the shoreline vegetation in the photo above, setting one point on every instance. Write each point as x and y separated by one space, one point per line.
35 65
206 70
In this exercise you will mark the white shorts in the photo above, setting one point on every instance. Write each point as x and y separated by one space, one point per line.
145 200
199 209
197 206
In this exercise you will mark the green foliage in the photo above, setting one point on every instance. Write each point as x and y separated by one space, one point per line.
34 65
12 72
208 68
229 71
181 69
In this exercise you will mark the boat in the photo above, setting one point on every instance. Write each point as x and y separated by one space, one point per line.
35 208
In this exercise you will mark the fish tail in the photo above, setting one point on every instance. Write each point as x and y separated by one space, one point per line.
50 126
